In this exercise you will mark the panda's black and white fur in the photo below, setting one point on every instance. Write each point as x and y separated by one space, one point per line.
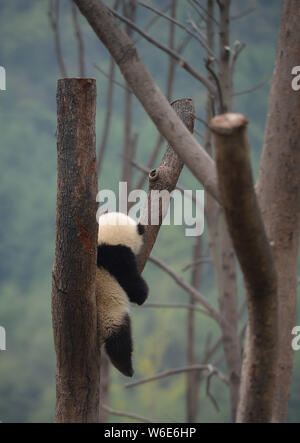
118 282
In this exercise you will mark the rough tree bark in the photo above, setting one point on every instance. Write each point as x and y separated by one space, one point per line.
255 256
73 288
122 49
278 190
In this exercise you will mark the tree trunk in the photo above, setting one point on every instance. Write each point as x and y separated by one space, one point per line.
73 288
255 256
279 192
193 378
104 386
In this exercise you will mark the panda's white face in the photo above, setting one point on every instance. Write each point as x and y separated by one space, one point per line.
116 228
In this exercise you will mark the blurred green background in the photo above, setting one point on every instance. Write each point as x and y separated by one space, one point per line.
27 201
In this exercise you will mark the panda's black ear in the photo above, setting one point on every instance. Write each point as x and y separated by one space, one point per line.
141 229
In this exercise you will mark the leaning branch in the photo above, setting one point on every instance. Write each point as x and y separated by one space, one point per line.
165 177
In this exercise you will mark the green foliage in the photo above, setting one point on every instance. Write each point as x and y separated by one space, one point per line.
27 198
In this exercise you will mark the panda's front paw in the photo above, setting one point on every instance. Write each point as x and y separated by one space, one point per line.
142 293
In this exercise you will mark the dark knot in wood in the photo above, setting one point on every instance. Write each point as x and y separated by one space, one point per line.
153 175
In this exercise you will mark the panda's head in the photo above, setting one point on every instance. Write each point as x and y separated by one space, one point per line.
116 228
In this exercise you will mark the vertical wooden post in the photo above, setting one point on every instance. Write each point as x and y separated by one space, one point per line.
73 285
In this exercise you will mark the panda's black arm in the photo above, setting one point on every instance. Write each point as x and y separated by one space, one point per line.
120 262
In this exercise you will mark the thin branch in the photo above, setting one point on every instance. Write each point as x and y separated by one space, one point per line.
238 48
208 393
182 62
255 88
189 289
53 14
80 43
199 134
129 10
197 262
208 66
206 12
209 368
126 414
106 124
242 14
175 306
201 121
197 10
172 63
114 81
151 22
201 38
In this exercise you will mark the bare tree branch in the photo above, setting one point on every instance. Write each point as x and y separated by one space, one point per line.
106 124
255 256
107 75
208 66
53 14
209 368
169 125
189 289
197 262
80 43
200 38
182 62
126 414
242 14
129 9
206 12
192 378
150 173
255 88
175 306
208 393
172 63
152 21
165 177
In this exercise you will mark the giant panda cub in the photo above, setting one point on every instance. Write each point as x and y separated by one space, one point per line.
118 282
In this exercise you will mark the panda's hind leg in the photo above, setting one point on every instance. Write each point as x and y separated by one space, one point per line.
119 348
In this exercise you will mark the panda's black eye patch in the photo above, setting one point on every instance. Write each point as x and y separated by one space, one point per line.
141 229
